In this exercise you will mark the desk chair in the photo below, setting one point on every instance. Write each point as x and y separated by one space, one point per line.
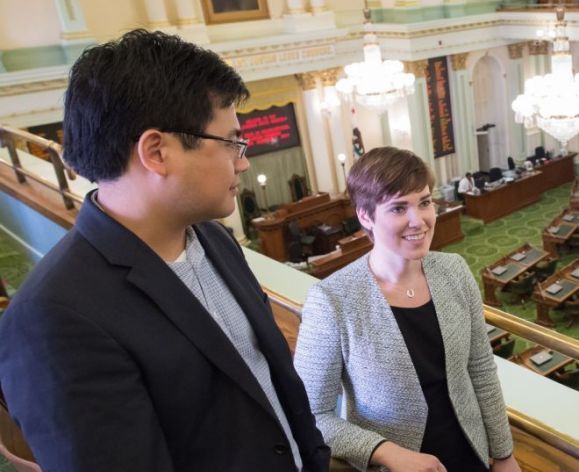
351 225
298 187
300 244
250 210
495 174
521 286
511 163
545 268
505 350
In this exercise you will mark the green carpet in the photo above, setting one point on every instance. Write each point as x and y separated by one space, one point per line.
485 244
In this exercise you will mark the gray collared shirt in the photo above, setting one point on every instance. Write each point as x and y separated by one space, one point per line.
198 274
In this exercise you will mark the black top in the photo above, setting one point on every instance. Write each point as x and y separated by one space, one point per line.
443 436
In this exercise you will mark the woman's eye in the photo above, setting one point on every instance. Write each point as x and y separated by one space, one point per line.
397 210
426 203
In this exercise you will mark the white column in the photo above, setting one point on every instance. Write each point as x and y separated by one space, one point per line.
73 30
298 19
191 28
157 15
318 130
420 115
462 103
515 87
539 65
318 6
296 7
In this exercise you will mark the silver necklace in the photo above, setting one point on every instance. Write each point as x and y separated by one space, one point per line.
410 293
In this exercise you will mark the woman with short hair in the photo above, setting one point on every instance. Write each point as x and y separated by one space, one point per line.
401 331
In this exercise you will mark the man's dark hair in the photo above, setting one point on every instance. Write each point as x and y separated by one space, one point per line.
468 174
145 80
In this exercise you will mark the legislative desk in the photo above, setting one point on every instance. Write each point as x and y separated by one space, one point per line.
556 171
560 230
447 229
349 249
504 199
500 273
556 362
546 298
310 211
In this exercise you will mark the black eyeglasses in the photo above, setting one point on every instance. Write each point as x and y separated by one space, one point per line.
239 146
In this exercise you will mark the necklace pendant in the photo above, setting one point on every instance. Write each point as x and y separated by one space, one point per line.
410 293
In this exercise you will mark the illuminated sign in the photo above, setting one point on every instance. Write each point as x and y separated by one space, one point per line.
269 130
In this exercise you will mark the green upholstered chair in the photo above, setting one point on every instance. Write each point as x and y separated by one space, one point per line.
522 286
505 350
546 268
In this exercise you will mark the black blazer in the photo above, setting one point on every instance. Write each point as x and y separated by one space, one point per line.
109 363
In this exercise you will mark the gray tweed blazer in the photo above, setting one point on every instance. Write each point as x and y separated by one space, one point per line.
349 340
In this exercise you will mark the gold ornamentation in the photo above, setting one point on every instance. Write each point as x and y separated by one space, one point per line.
20 89
418 68
458 61
155 25
72 35
183 22
516 50
538 48
307 80
329 77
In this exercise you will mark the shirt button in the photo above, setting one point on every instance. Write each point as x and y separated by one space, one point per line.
280 449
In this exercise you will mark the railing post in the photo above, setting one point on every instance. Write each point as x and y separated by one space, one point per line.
60 176
7 141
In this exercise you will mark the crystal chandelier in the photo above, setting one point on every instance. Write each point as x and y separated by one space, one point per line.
551 102
374 84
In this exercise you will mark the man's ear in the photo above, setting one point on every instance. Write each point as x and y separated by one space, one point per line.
151 149
365 219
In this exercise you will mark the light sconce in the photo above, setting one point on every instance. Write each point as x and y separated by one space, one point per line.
342 161
262 181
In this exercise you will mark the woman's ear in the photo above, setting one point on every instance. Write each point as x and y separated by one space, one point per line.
365 219
151 151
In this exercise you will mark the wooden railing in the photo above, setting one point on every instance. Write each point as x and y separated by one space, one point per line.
8 139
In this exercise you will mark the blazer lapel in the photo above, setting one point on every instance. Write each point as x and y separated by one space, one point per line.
158 282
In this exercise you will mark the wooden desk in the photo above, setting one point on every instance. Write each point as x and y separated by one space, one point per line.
557 362
545 300
351 248
514 268
309 211
496 335
556 171
505 199
447 229
560 230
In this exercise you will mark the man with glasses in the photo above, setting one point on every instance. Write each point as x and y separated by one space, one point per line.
142 342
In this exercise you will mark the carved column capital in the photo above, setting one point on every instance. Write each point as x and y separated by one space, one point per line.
307 80
516 50
458 61
538 48
418 68
329 77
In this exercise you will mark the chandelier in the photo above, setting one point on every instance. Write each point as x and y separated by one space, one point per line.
374 84
551 102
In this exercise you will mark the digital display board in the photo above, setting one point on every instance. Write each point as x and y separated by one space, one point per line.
439 106
269 130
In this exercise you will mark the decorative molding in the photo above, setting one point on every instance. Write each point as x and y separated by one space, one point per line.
516 50
418 68
329 77
157 25
538 48
74 35
184 22
307 80
458 61
29 87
